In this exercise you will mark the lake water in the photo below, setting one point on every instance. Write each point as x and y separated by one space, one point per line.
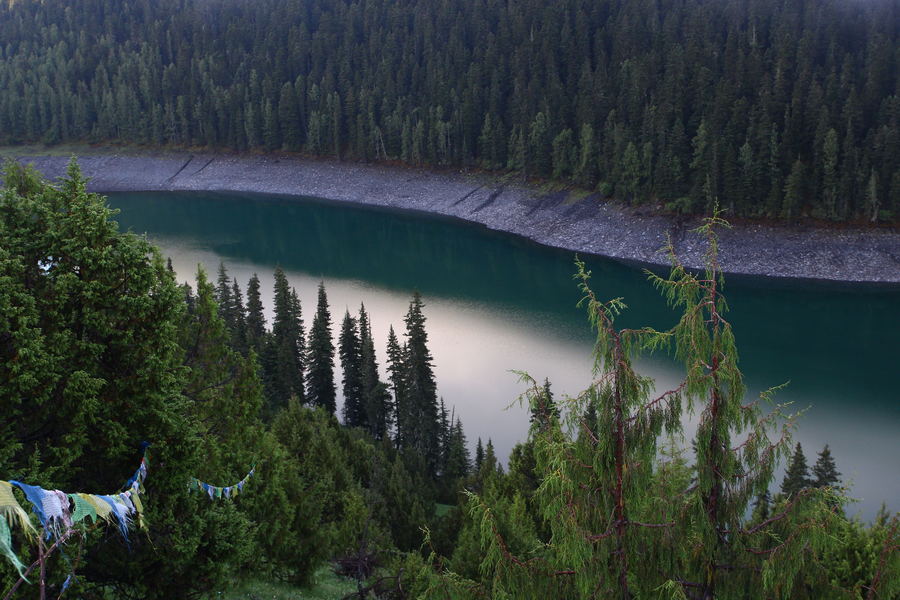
496 303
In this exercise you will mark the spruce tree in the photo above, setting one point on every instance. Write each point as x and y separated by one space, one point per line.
320 360
256 319
223 296
459 462
423 428
239 327
445 427
796 478
375 394
479 455
825 471
545 409
489 464
298 338
395 366
284 358
350 350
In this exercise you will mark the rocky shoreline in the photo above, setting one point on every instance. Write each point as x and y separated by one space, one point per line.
560 219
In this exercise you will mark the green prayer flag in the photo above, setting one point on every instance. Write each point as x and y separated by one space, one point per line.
83 509
10 508
6 548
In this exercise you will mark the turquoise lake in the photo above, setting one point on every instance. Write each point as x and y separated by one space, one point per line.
496 303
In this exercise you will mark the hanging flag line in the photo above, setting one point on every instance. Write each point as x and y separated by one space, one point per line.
58 512
220 492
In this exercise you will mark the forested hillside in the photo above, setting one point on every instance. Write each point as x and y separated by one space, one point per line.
777 109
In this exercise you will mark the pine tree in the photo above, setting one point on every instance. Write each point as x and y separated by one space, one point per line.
545 410
490 466
395 370
284 361
320 375
445 426
375 395
762 507
459 462
256 319
350 350
239 331
825 471
422 433
796 478
479 455
223 296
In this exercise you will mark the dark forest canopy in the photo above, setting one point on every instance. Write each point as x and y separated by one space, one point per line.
778 109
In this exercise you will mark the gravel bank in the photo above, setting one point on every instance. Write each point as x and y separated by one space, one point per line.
582 224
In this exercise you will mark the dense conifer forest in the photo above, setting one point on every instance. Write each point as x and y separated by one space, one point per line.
101 349
772 109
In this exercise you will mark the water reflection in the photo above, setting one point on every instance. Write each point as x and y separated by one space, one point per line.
497 303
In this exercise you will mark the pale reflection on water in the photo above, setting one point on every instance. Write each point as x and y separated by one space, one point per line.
495 305
477 348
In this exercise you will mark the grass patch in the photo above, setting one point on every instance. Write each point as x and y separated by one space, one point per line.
442 509
327 586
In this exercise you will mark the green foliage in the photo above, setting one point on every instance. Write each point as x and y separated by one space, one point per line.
283 357
320 377
796 478
325 586
319 508
599 509
351 364
91 367
417 415
101 350
825 470
376 399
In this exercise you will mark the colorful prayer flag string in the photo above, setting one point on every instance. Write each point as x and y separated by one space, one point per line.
59 512
216 492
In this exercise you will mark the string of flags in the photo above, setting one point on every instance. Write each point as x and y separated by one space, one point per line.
215 492
58 512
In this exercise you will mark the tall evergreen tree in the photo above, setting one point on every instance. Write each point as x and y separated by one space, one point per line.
479 455
239 328
256 319
825 473
421 419
375 394
796 478
459 462
395 369
320 375
350 350
284 356
223 296
545 410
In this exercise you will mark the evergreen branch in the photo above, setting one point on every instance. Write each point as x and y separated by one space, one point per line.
785 513
651 525
601 536
887 548
649 405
